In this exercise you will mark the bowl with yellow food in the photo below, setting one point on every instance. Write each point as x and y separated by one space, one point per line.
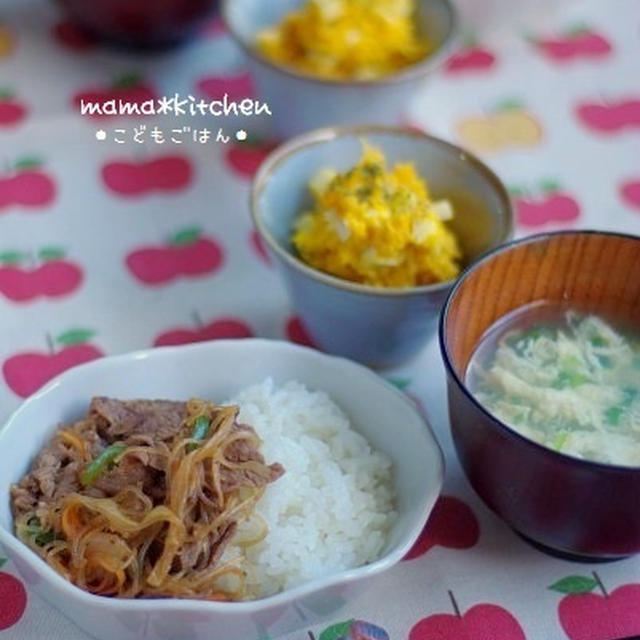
369 227
334 62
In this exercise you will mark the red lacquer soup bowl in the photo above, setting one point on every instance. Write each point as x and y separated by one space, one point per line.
570 506
139 23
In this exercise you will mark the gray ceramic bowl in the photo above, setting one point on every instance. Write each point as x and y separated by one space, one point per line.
301 102
380 327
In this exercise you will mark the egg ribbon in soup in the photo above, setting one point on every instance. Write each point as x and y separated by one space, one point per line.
572 384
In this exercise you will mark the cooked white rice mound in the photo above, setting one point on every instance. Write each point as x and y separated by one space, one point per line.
333 507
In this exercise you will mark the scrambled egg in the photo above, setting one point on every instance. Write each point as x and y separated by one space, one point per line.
346 39
377 227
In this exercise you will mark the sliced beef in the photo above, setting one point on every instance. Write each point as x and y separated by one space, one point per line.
130 472
24 496
46 471
117 419
240 451
217 549
197 557
144 424
54 475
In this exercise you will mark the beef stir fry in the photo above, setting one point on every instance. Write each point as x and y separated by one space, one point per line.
147 498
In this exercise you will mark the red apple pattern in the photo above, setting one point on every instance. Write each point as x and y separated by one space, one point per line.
410 125
132 179
298 333
72 37
218 328
127 88
597 616
187 254
472 58
245 158
452 524
12 111
630 192
480 622
237 87
27 371
548 203
54 276
576 43
609 116
27 186
257 244
13 599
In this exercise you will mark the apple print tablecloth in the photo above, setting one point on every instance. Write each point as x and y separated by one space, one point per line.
108 246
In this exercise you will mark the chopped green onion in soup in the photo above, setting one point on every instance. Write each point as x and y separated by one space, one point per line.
569 382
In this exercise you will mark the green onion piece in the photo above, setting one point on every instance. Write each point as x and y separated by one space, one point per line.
538 331
101 464
628 396
570 363
199 432
560 440
612 415
45 537
39 535
605 362
568 379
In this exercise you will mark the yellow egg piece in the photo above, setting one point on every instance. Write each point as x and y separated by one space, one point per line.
346 39
377 226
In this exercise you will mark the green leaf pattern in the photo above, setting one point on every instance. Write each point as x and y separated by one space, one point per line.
51 253
75 336
185 236
12 257
26 163
574 585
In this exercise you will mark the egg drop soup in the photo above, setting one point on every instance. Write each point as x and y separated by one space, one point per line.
569 381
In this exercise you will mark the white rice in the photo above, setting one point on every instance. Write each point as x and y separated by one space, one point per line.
333 507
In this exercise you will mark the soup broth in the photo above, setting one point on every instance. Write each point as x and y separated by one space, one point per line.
567 380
